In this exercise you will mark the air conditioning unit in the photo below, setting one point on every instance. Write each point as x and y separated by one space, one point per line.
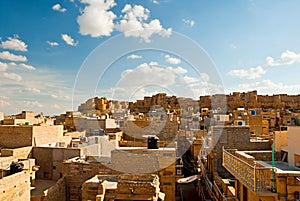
240 123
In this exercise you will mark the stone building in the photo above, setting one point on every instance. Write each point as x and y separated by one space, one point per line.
252 100
165 129
26 118
29 135
256 179
217 139
50 160
122 187
139 160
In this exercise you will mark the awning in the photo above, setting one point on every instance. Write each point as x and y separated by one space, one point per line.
187 179
161 196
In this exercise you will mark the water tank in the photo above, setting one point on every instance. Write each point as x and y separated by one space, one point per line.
153 142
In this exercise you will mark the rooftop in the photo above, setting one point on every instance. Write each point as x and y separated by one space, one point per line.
283 166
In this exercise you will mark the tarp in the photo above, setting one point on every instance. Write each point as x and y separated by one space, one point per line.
187 180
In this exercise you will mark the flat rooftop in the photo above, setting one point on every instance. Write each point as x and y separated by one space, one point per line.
283 166
40 186
145 148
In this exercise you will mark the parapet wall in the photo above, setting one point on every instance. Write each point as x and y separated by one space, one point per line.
15 187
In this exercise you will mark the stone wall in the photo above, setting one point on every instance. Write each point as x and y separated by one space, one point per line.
47 134
17 153
231 137
15 136
252 100
76 173
50 161
15 187
56 192
166 131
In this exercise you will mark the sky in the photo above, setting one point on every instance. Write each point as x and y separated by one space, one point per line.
54 55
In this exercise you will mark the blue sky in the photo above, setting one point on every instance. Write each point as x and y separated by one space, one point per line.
46 48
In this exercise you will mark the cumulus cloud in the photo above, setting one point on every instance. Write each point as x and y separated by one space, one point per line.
14 43
69 40
134 56
32 104
150 77
188 22
4 103
96 19
56 106
12 57
31 89
3 66
146 73
135 23
204 77
60 96
12 76
269 87
172 60
29 67
179 70
251 73
189 79
288 57
57 7
52 44
153 63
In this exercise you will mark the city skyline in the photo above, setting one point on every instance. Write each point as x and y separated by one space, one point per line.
253 44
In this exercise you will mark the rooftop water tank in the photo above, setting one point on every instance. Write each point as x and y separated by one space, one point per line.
153 142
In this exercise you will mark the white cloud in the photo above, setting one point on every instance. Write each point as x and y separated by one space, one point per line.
32 90
56 106
269 87
3 66
150 77
52 44
153 63
57 7
251 73
4 103
12 64
172 60
146 73
29 67
233 46
14 43
155 1
288 57
69 40
188 22
179 70
60 96
12 76
96 19
204 77
12 57
32 104
189 79
135 23
134 56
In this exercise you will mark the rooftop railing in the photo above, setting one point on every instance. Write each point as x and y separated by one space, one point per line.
256 178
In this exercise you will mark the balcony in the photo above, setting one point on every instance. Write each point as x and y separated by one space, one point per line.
255 177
